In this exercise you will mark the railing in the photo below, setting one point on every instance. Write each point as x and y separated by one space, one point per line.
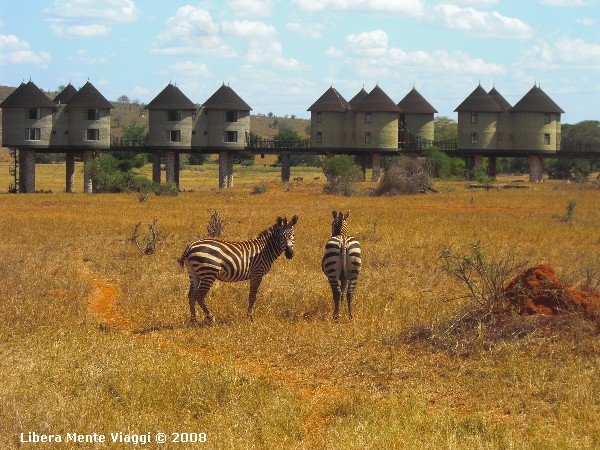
573 146
254 142
117 142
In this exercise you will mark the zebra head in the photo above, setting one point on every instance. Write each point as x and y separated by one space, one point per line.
339 225
285 231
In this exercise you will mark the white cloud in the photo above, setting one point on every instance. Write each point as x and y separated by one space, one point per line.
409 7
271 53
481 23
578 52
586 21
310 30
88 18
564 54
190 69
249 29
565 3
191 31
251 7
370 55
16 51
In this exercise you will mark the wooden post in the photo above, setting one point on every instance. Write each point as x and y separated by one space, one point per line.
536 168
376 165
87 173
70 172
156 167
285 167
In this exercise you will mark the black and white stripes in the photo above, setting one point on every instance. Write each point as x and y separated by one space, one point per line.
210 259
341 262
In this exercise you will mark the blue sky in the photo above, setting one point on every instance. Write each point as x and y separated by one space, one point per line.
280 56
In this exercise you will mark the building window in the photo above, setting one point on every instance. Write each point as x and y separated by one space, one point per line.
34 113
368 137
93 114
368 117
230 136
91 134
32 134
546 118
474 118
547 139
173 115
473 138
230 116
319 117
173 136
319 137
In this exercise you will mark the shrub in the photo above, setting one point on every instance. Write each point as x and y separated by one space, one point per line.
440 165
408 176
341 173
216 225
260 189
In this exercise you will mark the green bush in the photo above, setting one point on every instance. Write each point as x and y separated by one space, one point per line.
443 166
341 173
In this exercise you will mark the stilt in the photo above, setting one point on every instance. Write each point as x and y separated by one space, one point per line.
156 167
376 165
229 170
29 171
223 169
70 172
176 169
491 169
362 162
87 172
170 166
285 167
536 168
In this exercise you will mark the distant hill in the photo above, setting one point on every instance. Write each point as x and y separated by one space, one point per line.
134 114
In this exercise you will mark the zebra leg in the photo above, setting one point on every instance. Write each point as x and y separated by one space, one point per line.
254 285
203 289
192 297
350 295
336 289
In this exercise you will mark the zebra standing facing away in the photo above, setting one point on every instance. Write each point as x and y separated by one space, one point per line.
210 259
341 262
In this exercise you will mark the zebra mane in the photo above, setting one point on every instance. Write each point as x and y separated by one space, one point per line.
268 233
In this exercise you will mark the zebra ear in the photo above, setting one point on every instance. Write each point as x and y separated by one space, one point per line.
334 214
294 220
347 215
280 221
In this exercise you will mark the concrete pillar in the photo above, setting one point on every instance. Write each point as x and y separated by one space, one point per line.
536 168
87 173
223 169
28 181
285 167
156 167
474 165
362 162
170 166
70 172
21 170
176 174
229 170
491 170
376 165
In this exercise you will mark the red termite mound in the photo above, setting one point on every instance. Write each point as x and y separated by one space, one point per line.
538 290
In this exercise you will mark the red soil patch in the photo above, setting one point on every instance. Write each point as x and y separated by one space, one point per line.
538 290
102 304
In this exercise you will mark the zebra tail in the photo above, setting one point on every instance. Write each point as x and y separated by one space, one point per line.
181 259
344 257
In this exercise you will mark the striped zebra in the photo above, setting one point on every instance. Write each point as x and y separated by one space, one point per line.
208 260
341 262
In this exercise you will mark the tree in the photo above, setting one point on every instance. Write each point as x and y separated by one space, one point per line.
445 128
123 99
341 173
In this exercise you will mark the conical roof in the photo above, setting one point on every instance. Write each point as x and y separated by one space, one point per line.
226 98
89 97
171 97
415 103
479 101
377 101
27 95
498 98
537 100
358 97
330 101
65 95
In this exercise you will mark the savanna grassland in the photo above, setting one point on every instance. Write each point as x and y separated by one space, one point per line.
94 336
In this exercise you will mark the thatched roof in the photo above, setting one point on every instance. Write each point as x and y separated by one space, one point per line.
358 97
171 97
65 95
479 101
225 98
537 100
498 98
89 97
377 101
330 101
415 103
27 95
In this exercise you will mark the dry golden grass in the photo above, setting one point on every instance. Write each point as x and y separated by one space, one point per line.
95 337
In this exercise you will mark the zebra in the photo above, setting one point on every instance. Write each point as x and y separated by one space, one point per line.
210 259
341 262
